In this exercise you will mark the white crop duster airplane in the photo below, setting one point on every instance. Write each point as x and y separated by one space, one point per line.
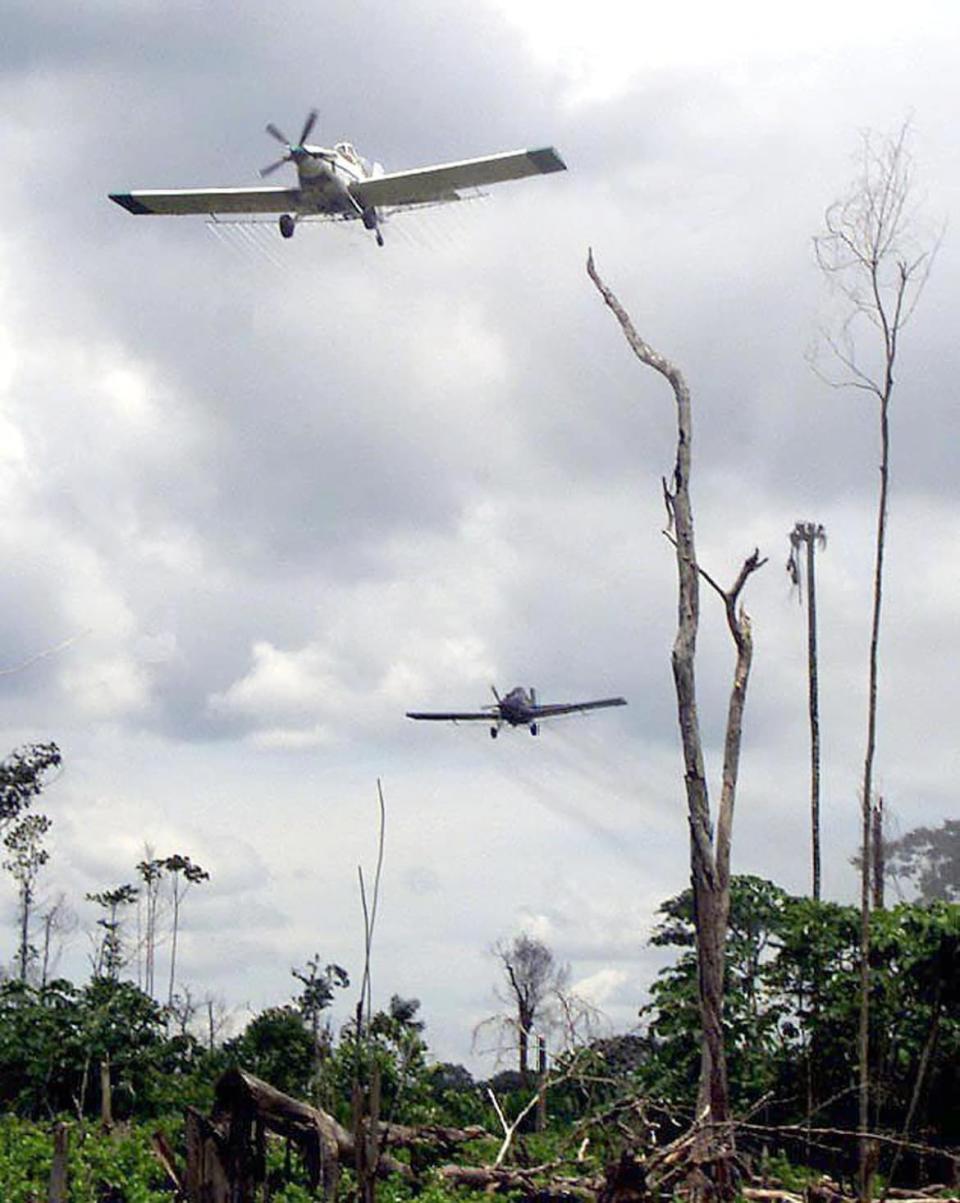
339 184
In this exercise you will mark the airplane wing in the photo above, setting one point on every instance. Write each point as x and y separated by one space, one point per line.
454 716
210 200
577 707
441 183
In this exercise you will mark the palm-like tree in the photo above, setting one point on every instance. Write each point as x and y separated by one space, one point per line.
799 567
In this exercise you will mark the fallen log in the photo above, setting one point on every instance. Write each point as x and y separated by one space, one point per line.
497 1180
434 1136
938 1191
245 1103
287 1116
324 1143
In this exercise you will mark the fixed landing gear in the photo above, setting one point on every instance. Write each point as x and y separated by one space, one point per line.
372 222
534 729
287 225
494 732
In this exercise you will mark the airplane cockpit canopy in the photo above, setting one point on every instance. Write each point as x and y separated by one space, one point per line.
348 152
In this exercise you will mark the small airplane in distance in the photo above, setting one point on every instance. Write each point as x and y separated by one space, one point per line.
338 184
519 708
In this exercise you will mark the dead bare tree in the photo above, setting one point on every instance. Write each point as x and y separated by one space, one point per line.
876 255
537 1002
810 535
533 976
709 851
59 922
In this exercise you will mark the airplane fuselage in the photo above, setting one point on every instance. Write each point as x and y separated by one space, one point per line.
325 178
518 707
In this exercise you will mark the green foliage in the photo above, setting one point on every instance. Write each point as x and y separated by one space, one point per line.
25 857
22 778
455 1097
293 1192
792 1009
53 1039
110 956
121 1161
791 1177
318 986
276 1047
393 1041
24 845
752 1015
41 1046
397 1190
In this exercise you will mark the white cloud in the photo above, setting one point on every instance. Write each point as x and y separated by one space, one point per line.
600 987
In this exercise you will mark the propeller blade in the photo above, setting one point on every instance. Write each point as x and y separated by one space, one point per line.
271 168
275 133
495 694
308 125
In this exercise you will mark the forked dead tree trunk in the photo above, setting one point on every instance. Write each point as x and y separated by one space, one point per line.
709 852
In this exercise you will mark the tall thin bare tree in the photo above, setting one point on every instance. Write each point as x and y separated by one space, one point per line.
810 535
183 874
709 850
875 253
26 856
59 922
151 870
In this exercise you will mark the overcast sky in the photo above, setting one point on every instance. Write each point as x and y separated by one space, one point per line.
270 495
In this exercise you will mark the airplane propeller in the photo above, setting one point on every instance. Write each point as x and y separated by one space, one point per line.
297 151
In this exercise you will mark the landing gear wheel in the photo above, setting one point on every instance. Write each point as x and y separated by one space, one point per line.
534 728
379 238
287 225
493 733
